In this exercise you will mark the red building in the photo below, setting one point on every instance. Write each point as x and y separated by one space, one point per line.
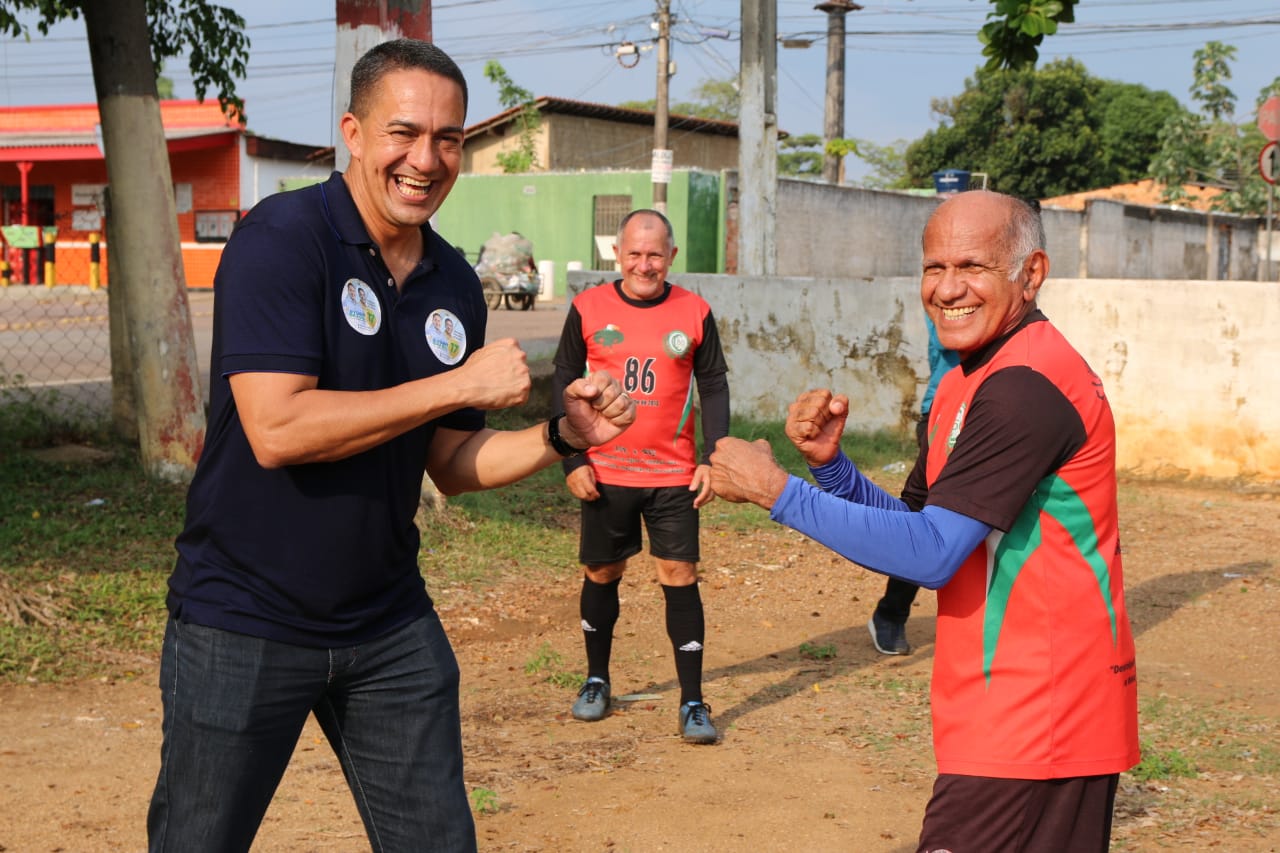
53 177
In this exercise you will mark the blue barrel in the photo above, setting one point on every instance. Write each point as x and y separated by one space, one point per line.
951 181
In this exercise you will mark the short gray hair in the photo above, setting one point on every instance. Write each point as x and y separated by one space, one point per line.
644 211
1024 235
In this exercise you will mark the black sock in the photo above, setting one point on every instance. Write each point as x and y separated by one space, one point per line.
687 630
598 607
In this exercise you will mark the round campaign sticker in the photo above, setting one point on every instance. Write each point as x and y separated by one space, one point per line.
446 336
360 307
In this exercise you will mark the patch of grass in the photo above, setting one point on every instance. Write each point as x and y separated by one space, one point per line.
824 652
549 664
1167 764
484 801
85 549
41 417
1191 736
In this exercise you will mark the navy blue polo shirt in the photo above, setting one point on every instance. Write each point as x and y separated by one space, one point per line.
320 554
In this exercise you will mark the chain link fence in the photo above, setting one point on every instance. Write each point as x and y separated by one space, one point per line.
55 353
55 349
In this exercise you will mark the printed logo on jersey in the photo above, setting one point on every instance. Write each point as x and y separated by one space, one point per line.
955 427
608 336
360 307
446 336
676 344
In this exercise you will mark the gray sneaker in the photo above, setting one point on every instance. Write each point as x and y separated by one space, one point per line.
695 723
890 637
593 701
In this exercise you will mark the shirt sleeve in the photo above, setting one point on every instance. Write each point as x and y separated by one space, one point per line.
270 290
712 375
840 477
924 548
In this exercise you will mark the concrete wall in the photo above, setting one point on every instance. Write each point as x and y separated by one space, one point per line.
1064 233
1132 241
825 230
1186 364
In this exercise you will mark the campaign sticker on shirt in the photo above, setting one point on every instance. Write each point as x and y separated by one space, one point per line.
446 336
360 307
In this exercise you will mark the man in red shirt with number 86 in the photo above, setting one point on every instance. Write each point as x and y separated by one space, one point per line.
658 339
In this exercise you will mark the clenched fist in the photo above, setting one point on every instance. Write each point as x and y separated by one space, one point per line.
815 422
744 472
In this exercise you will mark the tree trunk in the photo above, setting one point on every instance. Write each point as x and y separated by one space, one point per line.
124 412
146 257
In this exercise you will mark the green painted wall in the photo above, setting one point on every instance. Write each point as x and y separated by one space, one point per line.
554 210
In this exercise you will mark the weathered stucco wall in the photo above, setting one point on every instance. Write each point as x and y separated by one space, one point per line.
1186 364
846 232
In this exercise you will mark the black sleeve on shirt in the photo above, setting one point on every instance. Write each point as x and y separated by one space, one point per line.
1019 429
915 492
712 375
570 362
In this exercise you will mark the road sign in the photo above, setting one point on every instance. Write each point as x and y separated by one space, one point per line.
1269 162
1269 118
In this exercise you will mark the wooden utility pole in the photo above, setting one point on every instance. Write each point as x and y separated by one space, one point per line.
833 125
662 154
758 139
362 24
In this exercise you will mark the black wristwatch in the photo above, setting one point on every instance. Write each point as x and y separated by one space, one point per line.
558 443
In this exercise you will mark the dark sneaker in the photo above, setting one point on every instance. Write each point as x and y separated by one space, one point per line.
695 723
890 637
593 701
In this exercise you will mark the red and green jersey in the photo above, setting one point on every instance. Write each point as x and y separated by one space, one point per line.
650 348
1034 676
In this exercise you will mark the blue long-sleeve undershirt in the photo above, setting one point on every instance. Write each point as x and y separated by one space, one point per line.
862 522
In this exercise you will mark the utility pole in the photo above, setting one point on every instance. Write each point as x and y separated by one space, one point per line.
361 25
833 126
758 139
663 157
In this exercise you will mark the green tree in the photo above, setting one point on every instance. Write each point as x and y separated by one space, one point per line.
800 156
1015 28
1211 147
512 96
1272 88
1129 119
888 164
1041 132
1209 86
713 99
155 380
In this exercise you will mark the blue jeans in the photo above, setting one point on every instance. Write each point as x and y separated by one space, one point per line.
234 707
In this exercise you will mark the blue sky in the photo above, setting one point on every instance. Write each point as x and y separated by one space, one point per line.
900 55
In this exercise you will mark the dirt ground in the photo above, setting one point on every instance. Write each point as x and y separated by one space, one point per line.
826 744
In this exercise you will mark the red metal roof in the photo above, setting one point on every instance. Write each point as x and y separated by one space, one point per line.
70 131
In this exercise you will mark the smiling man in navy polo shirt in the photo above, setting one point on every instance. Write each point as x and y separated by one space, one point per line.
297 588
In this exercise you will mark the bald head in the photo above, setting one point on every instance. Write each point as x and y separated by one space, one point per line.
983 264
1023 232
645 249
